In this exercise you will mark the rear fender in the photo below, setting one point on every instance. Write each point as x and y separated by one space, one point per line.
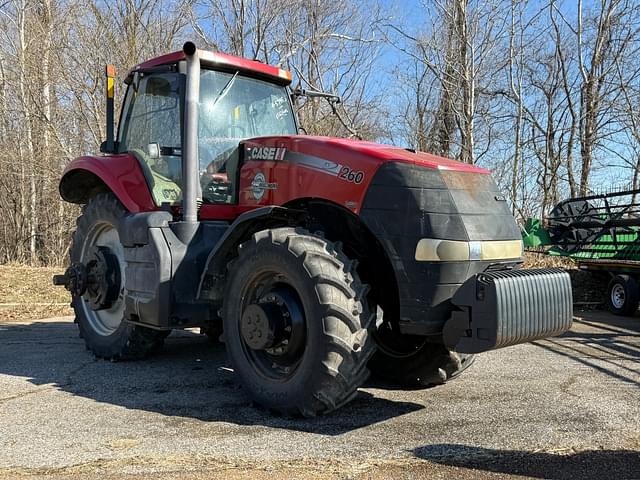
121 174
215 271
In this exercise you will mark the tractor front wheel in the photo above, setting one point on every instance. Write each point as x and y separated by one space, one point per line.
296 322
413 362
98 267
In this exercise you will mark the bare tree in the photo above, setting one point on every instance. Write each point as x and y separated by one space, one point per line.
610 35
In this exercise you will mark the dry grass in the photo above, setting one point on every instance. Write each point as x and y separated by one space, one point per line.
542 260
27 293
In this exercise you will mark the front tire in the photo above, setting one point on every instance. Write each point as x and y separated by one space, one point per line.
296 322
104 330
412 362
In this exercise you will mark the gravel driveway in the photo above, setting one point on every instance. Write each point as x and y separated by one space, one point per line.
568 407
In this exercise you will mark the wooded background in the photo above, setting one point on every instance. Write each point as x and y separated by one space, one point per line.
545 94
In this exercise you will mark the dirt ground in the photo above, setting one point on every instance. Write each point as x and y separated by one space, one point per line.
28 293
567 407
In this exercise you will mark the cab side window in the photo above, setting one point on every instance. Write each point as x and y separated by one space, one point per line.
151 131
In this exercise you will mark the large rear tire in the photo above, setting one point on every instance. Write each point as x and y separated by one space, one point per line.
413 362
296 322
104 330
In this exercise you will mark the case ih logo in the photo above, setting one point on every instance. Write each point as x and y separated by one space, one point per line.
266 153
260 184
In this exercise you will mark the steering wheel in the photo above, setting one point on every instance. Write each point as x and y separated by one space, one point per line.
241 128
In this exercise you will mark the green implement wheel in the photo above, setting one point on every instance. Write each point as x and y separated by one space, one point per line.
623 295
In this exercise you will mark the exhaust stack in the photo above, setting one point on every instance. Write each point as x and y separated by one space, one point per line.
190 136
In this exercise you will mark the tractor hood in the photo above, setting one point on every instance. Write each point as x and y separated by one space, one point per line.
357 153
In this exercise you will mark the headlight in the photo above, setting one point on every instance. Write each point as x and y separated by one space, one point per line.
436 250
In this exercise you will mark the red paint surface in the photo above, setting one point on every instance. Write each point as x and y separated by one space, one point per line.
297 181
123 175
221 59
345 150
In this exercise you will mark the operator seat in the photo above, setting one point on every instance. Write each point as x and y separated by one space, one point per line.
163 189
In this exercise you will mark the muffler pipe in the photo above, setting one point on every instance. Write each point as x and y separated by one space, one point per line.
190 136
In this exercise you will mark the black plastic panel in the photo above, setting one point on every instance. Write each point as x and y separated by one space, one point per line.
406 203
162 273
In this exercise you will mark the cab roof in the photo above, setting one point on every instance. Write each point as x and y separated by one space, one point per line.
222 61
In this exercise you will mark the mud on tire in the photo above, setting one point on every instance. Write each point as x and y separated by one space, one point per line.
115 339
337 345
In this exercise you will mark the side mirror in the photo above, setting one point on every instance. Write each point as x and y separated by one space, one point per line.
331 98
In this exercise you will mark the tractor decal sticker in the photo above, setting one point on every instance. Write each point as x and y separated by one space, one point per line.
309 161
326 166
266 153
351 175
260 184
315 163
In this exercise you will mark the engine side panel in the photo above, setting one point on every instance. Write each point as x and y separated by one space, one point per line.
277 171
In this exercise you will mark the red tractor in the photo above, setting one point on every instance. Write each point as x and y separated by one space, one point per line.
316 260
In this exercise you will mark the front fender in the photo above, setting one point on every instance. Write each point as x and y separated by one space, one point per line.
213 278
121 174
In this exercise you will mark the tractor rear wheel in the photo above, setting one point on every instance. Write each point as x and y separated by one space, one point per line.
98 257
413 362
296 322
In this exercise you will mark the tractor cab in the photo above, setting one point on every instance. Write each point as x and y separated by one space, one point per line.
237 101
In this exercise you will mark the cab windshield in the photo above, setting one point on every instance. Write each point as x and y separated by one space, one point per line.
233 108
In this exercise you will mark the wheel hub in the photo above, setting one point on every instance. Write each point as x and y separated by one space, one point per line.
103 279
274 324
261 325
617 296
98 281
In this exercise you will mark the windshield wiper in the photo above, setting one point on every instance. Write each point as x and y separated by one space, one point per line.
224 90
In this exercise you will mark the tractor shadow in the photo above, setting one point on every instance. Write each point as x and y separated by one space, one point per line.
603 342
590 464
188 378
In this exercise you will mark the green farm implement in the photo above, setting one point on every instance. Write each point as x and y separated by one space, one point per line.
601 233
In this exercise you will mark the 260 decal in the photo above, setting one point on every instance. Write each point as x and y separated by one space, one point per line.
349 175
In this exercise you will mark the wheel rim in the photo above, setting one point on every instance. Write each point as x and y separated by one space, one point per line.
395 344
279 303
618 296
105 322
